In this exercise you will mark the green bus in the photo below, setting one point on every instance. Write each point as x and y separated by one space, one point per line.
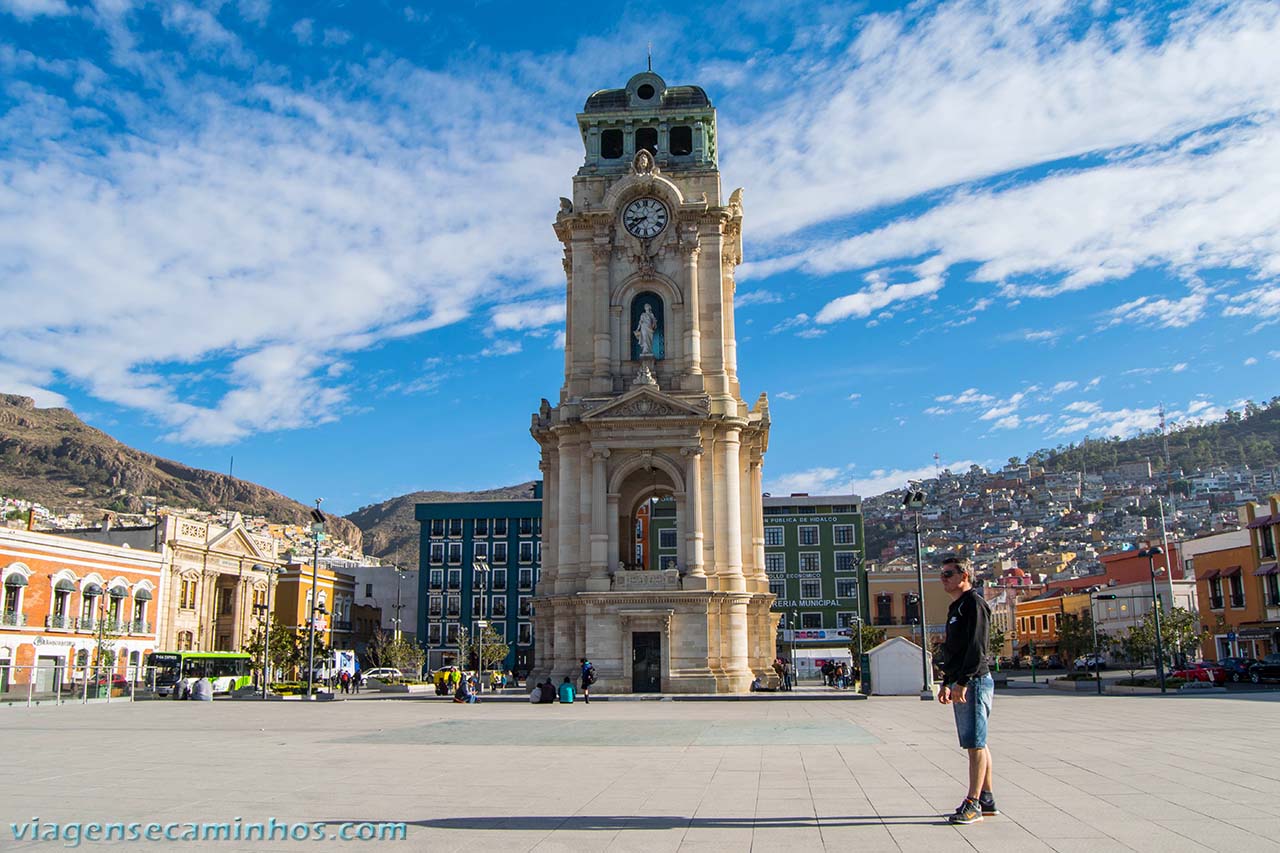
227 671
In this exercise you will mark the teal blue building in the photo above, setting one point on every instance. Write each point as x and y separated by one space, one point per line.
454 538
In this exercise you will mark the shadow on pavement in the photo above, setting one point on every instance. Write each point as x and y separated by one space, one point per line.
547 823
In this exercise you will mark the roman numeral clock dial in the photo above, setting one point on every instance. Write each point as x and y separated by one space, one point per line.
645 218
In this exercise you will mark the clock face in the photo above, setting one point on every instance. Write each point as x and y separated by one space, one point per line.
645 218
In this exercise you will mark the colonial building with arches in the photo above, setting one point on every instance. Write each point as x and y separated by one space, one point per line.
651 408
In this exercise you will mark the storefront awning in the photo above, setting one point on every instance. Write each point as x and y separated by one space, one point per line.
142 595
1231 572
1264 521
1210 575
64 585
15 579
1267 569
91 589
118 592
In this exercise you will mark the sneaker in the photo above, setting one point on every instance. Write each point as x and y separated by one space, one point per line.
987 802
969 812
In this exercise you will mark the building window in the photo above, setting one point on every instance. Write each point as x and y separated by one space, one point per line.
433 634
185 641
611 144
884 609
811 561
681 140
526 527
499 628
451 633
777 588
773 536
845 619
455 553
437 527
1272 583
499 554
455 527
1215 593
524 633
526 606
499 581
482 527
499 527
499 607
911 609
526 579
842 534
647 139
436 607
1057 621
1236 584
480 551
846 561
1044 623
810 588
1266 543
775 564
436 557
526 552
477 605
667 538
435 579
187 599
368 590
454 607
811 620
225 598
846 588
808 534
455 579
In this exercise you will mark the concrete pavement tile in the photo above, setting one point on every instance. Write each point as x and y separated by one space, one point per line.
1086 845
1219 836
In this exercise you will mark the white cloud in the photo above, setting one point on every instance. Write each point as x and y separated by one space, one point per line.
25 10
814 481
755 297
1007 422
1164 313
828 480
1060 387
882 480
1039 335
786 395
1250 361
856 396
502 347
796 322
876 296
304 30
1262 304
967 397
527 315
1093 419
333 36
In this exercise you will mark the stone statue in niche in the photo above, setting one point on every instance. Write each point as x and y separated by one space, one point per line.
646 314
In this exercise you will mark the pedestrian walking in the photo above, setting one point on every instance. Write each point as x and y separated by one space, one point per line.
788 676
588 679
967 685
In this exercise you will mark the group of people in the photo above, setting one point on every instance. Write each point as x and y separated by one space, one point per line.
349 682
200 690
838 674
786 674
547 693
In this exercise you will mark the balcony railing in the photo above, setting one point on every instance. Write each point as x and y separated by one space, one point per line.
65 622
138 626
13 620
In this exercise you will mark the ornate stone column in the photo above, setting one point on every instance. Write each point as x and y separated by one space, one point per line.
732 477
599 580
550 502
601 252
566 529
689 251
611 530
693 502
751 510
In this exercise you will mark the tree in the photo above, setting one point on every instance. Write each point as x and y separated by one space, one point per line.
399 653
1075 637
995 643
495 648
871 637
1181 631
287 652
1136 644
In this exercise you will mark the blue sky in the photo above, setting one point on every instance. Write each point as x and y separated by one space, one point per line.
317 236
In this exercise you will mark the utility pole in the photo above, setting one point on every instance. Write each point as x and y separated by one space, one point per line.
317 530
914 502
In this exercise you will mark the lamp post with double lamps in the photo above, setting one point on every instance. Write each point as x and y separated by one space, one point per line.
317 531
272 573
480 567
913 501
1151 554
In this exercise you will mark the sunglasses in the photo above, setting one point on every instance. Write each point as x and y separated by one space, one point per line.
948 574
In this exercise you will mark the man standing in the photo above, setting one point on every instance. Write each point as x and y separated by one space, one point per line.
967 684
588 676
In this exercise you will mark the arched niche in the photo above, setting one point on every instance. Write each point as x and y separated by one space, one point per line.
648 326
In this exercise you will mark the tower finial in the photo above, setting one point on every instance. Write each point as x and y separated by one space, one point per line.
650 55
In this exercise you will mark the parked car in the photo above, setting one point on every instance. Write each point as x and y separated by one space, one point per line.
1089 661
1237 668
1267 669
1204 671
382 673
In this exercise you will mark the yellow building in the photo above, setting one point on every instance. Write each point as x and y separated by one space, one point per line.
894 600
335 595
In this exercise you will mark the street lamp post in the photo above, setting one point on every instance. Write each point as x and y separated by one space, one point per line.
481 568
317 530
1151 554
399 576
914 502
1093 617
272 572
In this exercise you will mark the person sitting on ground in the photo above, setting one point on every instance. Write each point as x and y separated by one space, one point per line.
202 690
535 695
757 685
464 694
548 692
566 691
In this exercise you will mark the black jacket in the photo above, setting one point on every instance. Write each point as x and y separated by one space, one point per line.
964 649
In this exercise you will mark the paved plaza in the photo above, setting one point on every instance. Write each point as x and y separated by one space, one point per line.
1073 772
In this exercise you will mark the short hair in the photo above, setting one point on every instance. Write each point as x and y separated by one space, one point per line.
962 564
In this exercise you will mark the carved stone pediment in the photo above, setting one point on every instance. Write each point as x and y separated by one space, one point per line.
645 402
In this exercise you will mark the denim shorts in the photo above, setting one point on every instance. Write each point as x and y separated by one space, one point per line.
972 714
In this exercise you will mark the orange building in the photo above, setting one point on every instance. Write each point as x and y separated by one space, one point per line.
64 600
1036 620
335 598
1239 589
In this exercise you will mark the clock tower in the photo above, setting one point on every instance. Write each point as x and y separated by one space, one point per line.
650 417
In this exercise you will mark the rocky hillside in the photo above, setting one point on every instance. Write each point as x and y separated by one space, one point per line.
51 456
389 528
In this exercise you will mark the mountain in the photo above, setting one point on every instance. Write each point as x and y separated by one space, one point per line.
52 457
391 532
1249 437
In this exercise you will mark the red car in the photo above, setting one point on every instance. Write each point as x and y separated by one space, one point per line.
1209 672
